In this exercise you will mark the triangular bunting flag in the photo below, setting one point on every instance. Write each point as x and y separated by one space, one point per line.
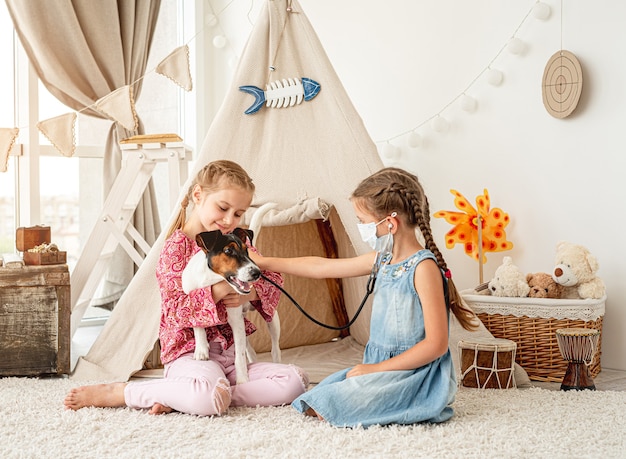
7 139
60 132
119 106
176 67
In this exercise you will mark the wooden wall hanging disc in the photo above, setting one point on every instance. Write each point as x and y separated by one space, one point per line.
562 84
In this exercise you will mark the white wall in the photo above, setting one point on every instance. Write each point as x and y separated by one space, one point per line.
403 61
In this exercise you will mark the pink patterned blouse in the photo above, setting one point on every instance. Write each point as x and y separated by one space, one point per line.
181 312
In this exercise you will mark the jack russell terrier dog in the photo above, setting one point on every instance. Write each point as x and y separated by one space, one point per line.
225 257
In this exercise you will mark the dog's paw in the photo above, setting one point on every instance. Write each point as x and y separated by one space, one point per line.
201 354
276 356
242 378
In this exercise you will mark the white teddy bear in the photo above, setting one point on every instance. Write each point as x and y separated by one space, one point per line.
508 280
575 269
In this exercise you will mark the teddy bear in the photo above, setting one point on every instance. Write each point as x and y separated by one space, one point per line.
542 285
575 269
508 280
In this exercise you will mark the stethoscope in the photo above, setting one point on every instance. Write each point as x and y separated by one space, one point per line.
371 281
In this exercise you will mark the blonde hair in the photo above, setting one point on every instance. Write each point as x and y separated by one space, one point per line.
214 176
395 190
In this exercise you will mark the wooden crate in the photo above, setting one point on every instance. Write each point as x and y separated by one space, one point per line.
34 320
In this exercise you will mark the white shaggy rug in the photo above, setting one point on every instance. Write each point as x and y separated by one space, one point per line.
514 423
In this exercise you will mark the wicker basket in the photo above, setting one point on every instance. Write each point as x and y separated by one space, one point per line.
532 324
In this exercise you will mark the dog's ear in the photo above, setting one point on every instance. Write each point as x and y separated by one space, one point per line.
206 240
243 234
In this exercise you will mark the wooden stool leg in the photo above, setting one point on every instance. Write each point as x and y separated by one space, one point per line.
577 377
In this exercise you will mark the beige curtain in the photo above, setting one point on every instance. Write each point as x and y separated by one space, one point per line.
82 50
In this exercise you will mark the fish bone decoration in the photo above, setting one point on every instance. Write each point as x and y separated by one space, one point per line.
285 93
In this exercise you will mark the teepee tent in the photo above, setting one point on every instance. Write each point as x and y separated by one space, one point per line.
306 158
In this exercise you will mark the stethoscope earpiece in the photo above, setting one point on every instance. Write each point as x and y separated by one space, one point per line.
393 215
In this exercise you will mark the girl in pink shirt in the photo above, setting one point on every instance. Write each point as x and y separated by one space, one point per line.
221 193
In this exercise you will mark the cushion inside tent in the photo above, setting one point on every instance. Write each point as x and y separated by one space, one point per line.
322 299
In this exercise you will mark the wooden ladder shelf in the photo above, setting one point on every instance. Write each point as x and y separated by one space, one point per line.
114 225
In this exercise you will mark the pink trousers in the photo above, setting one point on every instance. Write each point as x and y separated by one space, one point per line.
189 386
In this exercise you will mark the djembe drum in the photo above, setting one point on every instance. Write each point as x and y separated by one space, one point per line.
487 363
578 346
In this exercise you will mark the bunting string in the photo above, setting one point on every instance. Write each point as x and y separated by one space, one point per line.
494 76
119 105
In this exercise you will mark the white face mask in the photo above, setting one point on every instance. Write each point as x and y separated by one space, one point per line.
368 231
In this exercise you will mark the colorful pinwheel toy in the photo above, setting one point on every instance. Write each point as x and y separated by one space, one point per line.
480 230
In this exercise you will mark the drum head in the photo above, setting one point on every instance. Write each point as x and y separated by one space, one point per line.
577 332
488 344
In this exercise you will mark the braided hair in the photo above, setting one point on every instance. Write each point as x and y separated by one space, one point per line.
213 177
394 189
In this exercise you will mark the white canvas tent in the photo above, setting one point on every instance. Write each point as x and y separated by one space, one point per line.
303 158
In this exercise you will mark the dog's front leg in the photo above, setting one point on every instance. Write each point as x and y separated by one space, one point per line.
250 352
202 344
236 322
274 329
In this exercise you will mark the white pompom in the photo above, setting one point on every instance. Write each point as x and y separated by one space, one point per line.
541 11
495 77
414 140
219 41
440 124
390 151
468 103
516 46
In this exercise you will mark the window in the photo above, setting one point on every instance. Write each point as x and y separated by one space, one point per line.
66 193
7 119
62 180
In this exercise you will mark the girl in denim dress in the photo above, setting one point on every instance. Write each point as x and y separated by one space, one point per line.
407 374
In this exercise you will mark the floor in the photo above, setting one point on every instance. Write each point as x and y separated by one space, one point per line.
607 379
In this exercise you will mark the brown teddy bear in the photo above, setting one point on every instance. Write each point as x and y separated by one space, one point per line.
542 285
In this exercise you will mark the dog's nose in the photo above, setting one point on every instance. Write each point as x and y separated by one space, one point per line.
254 272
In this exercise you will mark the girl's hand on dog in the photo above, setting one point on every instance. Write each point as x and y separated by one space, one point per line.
232 300
221 290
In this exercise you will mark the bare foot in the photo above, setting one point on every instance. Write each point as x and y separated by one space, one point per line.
157 408
313 413
100 395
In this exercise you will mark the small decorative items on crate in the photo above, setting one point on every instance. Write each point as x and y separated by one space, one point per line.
35 243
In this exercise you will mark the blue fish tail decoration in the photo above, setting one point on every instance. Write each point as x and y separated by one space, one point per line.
311 88
282 93
259 98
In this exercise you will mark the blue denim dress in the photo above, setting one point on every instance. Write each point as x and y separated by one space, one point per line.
391 397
